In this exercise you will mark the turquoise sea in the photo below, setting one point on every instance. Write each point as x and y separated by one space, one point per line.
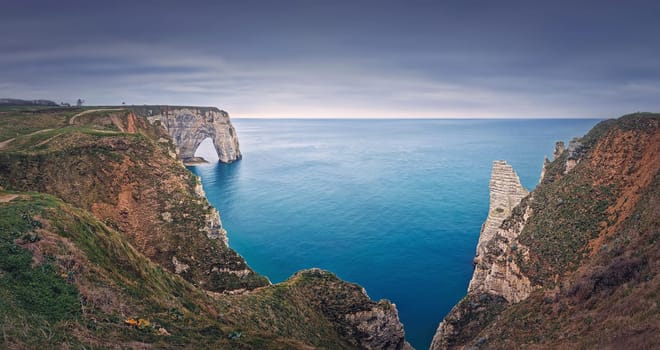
393 205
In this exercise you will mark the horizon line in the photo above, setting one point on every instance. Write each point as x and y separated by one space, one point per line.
419 118
297 116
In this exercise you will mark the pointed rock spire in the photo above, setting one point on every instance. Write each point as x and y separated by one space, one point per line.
506 192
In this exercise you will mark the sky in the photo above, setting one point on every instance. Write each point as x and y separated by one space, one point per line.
339 59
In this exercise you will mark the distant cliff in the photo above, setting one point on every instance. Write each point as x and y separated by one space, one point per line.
189 126
18 102
574 264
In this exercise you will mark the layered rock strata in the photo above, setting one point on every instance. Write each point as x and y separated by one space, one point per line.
495 275
491 274
506 192
573 266
189 126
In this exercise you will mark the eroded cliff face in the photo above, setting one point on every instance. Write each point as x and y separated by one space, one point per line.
574 265
367 324
490 274
134 183
189 126
132 237
496 277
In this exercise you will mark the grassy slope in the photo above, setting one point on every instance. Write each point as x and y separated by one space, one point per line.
17 121
120 172
592 251
67 279
70 279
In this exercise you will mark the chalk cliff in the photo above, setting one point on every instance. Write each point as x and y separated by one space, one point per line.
496 277
574 264
189 126
493 274
107 241
134 183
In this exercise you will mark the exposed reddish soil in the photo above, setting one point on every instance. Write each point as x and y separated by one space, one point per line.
633 159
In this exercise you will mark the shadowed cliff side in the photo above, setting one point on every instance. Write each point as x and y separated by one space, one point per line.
576 262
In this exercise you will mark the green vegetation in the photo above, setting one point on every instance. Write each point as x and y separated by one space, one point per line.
476 312
589 248
82 283
572 209
17 121
91 160
40 291
568 214
90 264
34 298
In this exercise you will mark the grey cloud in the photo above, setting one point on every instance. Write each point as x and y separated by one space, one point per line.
366 59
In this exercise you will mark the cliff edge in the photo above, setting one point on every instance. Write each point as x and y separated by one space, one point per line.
575 263
125 170
489 275
189 126
107 241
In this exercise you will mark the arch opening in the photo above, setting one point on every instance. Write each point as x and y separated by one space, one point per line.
206 150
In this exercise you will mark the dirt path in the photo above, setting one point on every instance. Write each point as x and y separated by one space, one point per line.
4 143
7 197
73 119
46 140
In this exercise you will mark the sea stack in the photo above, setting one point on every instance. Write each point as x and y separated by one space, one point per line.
496 279
506 192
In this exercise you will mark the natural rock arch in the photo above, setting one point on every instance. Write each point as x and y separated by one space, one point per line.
206 150
189 126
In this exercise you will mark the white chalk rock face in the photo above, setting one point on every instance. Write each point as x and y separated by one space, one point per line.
492 272
189 126
506 192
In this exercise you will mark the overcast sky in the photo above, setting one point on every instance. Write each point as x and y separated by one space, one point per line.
356 58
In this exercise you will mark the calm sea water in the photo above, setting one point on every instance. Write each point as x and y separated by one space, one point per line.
393 205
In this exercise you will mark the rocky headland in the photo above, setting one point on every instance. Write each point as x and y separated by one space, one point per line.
108 241
189 126
574 263
491 276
